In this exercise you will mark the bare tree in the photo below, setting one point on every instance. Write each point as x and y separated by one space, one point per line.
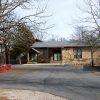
92 17
78 34
9 21
7 10
89 33
89 38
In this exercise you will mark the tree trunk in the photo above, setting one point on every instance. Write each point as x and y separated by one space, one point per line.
92 60
4 60
28 57
20 62
37 58
7 55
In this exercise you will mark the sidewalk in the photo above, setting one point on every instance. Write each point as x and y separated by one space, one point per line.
41 65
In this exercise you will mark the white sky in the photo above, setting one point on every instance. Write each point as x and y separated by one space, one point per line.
65 12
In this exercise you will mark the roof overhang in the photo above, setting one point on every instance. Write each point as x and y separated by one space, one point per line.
35 50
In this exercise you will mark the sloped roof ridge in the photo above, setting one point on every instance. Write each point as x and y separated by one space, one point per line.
58 44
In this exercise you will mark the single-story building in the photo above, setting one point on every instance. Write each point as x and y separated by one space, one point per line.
63 52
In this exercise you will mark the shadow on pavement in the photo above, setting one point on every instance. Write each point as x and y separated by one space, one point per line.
90 68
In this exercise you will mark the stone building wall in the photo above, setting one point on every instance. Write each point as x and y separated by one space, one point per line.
97 56
68 56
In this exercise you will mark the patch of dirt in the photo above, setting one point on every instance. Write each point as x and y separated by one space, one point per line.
3 98
9 94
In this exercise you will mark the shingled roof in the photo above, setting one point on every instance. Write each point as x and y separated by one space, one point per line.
52 44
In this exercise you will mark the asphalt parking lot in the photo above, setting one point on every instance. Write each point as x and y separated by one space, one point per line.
68 81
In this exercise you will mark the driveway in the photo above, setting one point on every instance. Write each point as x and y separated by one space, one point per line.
68 81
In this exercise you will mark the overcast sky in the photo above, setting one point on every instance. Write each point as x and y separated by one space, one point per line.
65 12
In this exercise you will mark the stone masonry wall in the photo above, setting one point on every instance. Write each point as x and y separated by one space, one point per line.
68 56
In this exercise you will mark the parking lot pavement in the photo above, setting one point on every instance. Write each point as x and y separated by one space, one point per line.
67 81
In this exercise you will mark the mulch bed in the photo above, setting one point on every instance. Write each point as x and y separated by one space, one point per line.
4 68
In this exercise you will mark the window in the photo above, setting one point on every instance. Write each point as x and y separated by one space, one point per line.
57 55
78 53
